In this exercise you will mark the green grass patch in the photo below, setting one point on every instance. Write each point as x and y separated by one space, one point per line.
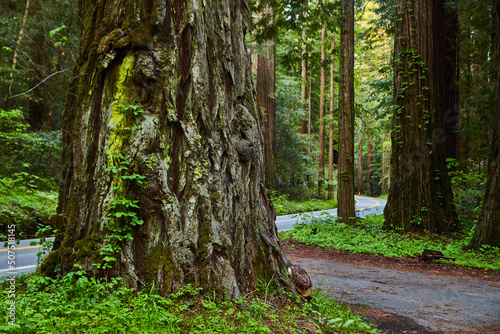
284 206
28 209
367 236
78 304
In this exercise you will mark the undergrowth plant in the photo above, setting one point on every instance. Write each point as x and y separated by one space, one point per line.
284 206
76 303
121 217
368 236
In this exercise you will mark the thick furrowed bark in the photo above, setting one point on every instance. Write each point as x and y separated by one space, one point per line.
196 139
420 194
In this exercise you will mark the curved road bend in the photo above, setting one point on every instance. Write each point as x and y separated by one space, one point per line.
364 206
26 258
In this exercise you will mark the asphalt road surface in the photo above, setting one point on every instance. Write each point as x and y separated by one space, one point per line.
25 255
364 206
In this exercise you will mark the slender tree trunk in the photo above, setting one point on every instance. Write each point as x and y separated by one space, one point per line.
303 85
345 195
322 109
266 74
385 170
361 188
310 110
162 155
14 60
369 189
331 140
420 194
488 227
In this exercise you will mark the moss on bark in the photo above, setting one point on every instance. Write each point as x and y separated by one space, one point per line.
206 216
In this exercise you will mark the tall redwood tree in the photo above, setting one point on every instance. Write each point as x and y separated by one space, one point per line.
163 167
488 227
420 194
345 193
266 86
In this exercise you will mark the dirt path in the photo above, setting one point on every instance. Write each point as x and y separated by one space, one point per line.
404 295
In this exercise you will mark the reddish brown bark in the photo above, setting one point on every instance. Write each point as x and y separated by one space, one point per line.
345 194
420 194
361 188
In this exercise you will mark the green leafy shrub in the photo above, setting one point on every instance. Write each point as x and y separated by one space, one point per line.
76 303
367 236
468 192
283 206
27 209
31 159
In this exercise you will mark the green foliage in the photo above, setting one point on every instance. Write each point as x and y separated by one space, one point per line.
29 210
293 164
367 236
46 240
80 304
468 193
122 216
336 317
30 159
44 61
57 32
283 206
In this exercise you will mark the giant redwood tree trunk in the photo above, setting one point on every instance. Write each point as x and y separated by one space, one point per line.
488 227
420 194
163 149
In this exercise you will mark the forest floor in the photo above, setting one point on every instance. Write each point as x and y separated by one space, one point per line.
404 295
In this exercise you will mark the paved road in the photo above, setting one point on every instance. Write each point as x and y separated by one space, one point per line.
364 206
438 304
26 255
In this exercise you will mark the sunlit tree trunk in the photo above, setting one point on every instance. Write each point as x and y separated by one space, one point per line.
361 188
162 114
266 74
385 169
303 85
345 194
331 141
420 194
369 161
309 108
